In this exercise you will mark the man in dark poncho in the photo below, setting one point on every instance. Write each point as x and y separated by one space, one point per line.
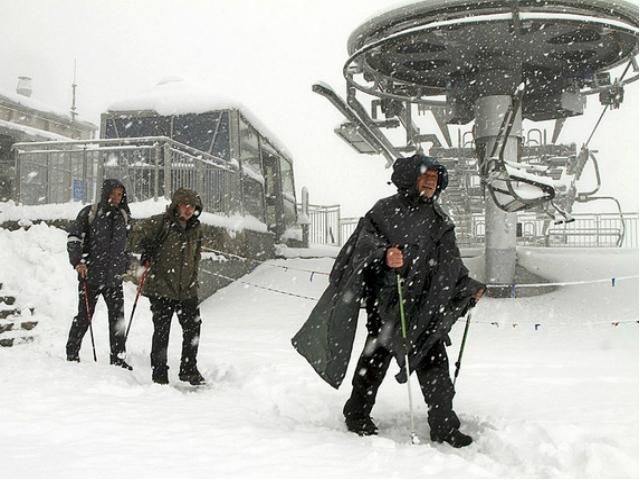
97 250
406 234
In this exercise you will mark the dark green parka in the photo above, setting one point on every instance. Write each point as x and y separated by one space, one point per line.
174 251
437 285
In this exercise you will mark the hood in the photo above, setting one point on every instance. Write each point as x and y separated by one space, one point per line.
407 170
107 186
185 196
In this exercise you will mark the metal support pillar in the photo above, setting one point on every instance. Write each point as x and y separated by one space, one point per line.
166 163
303 219
500 239
157 155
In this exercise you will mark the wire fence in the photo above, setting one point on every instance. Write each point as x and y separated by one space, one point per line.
149 167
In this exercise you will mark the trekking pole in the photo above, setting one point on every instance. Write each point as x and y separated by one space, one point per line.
86 304
135 303
464 340
415 440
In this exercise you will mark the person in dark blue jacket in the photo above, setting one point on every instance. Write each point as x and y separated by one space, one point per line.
97 250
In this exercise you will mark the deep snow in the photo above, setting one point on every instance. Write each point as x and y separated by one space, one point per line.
560 401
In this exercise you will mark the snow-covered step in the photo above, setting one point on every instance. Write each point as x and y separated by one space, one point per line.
16 337
9 312
7 299
17 324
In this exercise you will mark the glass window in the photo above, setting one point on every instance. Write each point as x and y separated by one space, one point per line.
220 145
194 130
199 130
253 198
123 126
249 146
6 155
288 192
286 171
208 132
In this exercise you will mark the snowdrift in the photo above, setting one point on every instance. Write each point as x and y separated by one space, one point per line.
548 387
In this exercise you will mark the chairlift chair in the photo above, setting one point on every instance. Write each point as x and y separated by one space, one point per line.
518 186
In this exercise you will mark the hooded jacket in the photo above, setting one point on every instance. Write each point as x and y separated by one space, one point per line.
173 250
437 288
98 238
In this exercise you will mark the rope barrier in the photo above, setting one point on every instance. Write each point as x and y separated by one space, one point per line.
536 325
231 279
264 262
611 280
512 286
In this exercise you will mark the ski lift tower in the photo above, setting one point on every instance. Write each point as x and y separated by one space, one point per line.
495 62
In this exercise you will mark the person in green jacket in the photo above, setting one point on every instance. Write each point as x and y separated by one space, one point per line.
171 244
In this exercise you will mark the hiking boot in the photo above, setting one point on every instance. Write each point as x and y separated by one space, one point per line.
363 426
160 375
73 358
118 362
455 438
192 376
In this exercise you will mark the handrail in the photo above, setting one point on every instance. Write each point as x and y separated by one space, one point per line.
27 146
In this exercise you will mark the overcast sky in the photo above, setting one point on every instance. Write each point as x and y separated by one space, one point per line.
265 54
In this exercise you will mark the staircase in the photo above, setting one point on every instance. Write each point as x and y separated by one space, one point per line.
15 323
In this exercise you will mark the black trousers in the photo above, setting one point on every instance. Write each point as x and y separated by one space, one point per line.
114 298
189 318
433 376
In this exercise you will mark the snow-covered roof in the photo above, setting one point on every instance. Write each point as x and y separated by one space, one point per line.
34 133
178 96
175 96
39 106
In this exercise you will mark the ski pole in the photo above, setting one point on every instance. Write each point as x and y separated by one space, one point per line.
135 304
86 304
414 438
464 340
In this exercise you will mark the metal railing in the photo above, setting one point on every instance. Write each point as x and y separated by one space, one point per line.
596 230
149 167
588 230
324 227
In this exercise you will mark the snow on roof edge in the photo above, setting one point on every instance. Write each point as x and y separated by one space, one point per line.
41 107
37 132
176 96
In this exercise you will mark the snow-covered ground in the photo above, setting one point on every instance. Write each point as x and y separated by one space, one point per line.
559 401
26 214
